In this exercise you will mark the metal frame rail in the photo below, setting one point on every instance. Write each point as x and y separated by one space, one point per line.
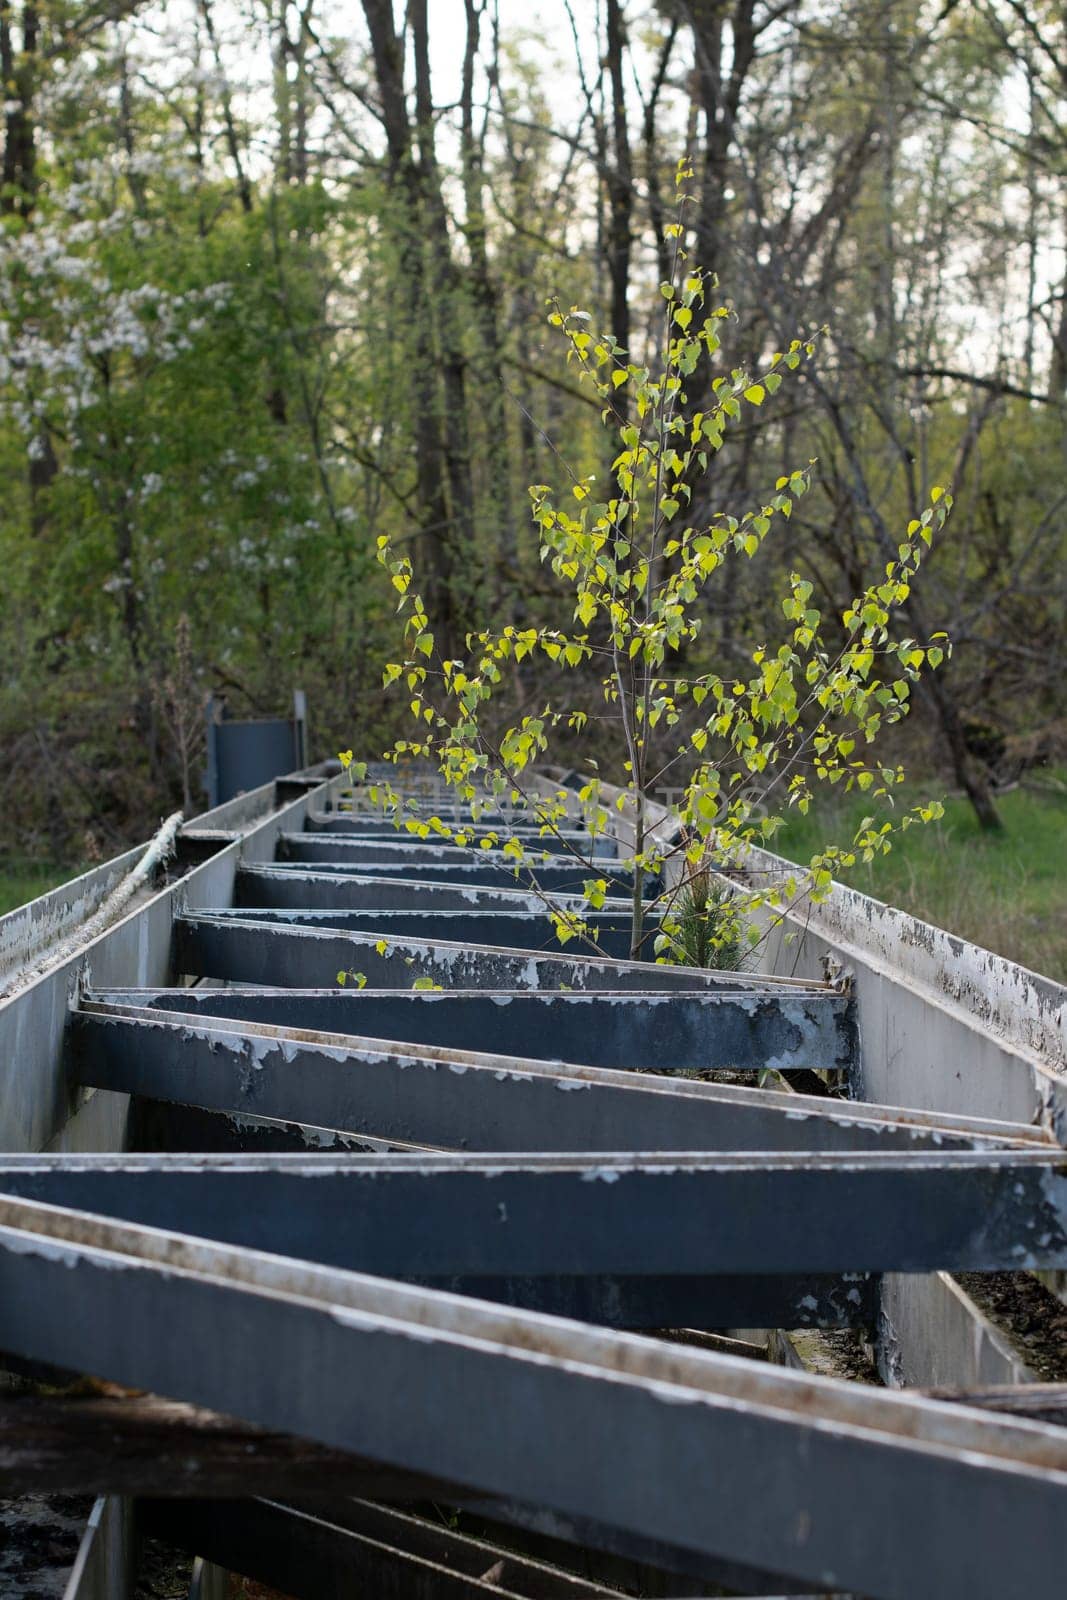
433 1226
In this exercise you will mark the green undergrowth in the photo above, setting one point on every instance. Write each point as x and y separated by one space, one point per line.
25 880
1006 892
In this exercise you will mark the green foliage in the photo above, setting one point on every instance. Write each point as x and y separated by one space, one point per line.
637 574
242 335
707 933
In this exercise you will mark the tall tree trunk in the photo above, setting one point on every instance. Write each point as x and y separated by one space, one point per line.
18 196
233 143
718 93
446 299
968 773
445 488
1058 365
656 210
489 367
620 181
19 67
283 105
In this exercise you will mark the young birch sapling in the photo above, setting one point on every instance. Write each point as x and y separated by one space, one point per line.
636 574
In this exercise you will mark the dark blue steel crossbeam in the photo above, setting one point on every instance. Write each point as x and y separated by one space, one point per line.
510 928
650 1032
250 950
367 841
367 854
849 1488
364 826
354 849
452 1216
553 881
278 885
610 1299
431 1095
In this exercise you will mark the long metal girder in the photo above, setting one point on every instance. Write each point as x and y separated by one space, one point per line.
650 1032
352 847
279 885
452 1216
365 826
480 1101
539 856
599 856
567 879
248 950
881 1492
512 929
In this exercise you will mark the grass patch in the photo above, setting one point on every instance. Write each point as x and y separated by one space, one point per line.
1006 892
21 881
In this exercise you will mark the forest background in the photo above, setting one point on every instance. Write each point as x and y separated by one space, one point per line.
273 281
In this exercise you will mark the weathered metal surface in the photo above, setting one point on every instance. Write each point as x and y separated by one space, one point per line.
568 879
247 950
513 929
651 1032
542 855
949 1026
209 1582
344 838
946 1024
318 889
939 1336
27 932
870 1490
480 1101
174 1127
354 850
37 1106
243 755
636 1215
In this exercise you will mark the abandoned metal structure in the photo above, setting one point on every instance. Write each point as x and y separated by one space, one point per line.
521 1233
